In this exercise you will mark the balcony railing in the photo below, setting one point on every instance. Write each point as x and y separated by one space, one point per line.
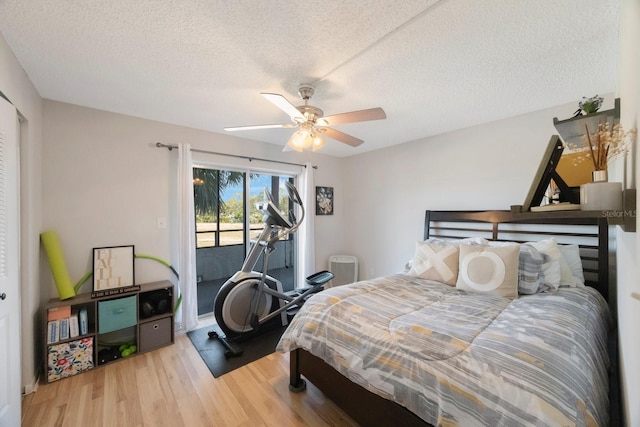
220 262
208 235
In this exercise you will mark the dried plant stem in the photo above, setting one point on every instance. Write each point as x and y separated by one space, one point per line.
611 142
593 157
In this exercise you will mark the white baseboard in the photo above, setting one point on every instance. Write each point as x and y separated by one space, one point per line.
30 388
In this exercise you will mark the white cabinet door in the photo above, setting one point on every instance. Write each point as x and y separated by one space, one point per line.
10 368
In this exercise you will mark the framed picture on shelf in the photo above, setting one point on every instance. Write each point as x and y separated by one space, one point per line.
324 200
547 177
113 270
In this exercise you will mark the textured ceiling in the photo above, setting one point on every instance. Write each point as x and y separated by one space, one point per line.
433 66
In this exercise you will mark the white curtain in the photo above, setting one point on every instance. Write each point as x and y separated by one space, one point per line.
306 235
187 315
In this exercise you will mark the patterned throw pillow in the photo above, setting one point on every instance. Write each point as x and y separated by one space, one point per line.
552 268
435 262
489 270
531 278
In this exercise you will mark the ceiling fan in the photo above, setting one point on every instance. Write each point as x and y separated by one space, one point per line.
312 123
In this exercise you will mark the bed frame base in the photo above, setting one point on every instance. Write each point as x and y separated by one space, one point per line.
364 407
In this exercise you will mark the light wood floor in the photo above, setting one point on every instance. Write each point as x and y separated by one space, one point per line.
173 387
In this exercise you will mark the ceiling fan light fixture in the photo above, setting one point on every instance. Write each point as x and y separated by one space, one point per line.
300 140
318 143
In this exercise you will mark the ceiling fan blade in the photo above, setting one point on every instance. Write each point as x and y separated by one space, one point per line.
252 127
282 103
342 137
355 116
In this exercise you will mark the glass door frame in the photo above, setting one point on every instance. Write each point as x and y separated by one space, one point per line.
246 197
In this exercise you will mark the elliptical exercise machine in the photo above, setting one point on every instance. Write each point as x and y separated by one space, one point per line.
250 300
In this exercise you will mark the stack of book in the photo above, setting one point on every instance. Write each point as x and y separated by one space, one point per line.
63 323
563 206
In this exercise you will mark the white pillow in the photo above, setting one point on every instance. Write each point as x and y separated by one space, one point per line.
441 241
435 262
489 270
552 269
571 254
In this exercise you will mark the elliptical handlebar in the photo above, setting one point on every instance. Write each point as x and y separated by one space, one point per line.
276 226
275 218
293 195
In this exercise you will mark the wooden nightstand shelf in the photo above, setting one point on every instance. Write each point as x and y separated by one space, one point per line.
140 321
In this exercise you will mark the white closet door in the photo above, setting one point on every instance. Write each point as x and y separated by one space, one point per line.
10 368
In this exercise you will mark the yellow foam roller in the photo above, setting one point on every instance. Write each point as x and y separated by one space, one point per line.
61 277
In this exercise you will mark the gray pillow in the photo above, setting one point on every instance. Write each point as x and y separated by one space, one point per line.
531 278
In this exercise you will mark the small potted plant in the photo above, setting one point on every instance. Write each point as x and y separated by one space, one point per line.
588 105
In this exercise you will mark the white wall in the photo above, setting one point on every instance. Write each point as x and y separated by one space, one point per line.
628 243
15 84
105 184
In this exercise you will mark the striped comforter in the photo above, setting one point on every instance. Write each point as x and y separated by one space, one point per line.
459 359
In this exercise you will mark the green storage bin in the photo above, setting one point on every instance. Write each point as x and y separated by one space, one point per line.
117 314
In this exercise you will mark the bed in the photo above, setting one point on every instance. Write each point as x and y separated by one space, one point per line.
412 349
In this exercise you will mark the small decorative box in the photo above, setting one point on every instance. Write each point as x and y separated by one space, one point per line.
601 196
70 358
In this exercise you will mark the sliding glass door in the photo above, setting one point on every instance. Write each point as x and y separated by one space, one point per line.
227 221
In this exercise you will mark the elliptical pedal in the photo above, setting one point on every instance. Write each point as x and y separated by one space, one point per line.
315 283
320 278
230 350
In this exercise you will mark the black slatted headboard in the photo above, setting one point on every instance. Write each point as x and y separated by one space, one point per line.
589 232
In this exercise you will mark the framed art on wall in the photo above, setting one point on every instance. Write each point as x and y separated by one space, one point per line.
324 200
113 270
